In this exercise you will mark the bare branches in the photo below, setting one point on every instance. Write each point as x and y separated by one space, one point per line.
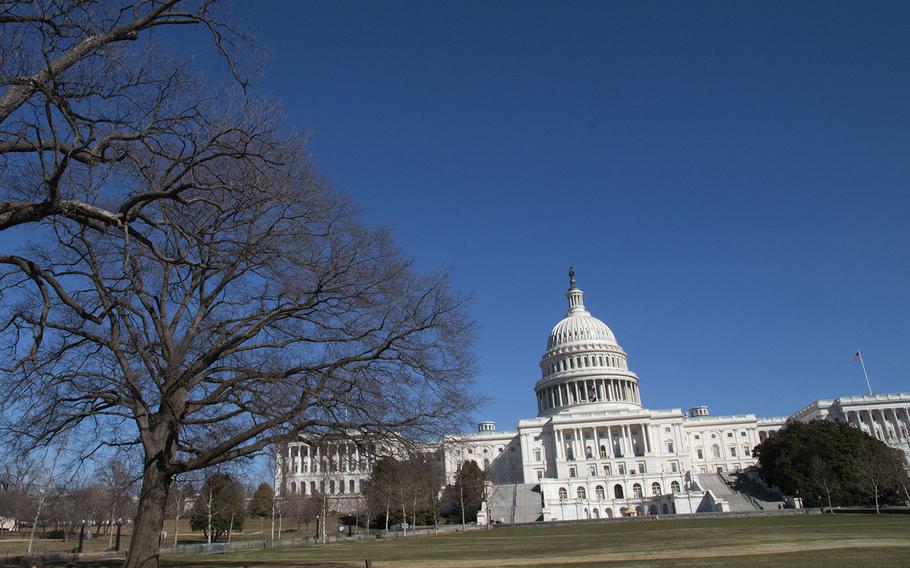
97 121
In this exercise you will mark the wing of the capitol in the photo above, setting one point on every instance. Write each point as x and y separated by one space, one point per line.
594 450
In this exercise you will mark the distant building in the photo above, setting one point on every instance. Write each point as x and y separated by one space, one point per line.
594 450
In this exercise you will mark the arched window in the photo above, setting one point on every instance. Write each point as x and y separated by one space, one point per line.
617 491
666 509
674 486
603 451
486 463
636 490
582 494
563 494
596 513
588 452
341 486
599 492
655 488
351 486
601 360
652 510
332 486
715 449
609 513
293 488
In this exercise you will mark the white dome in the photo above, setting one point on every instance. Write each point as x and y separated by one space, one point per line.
584 368
580 327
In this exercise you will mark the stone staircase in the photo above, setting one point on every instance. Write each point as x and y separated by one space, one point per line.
741 493
516 503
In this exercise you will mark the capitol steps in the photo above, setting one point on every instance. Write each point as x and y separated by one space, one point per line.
742 494
516 503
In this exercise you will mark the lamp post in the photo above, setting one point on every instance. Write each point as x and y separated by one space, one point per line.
117 541
81 536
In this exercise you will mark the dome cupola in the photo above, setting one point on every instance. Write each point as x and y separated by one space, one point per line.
583 364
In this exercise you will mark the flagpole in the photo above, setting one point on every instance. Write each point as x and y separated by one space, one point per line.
861 362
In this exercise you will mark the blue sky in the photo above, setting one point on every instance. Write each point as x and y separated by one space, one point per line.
730 180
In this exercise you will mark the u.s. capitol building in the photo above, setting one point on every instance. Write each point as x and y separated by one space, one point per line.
594 450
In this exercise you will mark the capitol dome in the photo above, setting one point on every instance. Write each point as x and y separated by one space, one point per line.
583 364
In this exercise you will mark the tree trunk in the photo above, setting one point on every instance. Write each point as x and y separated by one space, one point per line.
145 541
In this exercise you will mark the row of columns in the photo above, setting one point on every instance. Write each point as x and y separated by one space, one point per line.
574 392
572 362
330 487
618 442
893 423
332 458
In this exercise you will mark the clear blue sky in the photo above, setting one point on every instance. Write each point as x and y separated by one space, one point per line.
731 180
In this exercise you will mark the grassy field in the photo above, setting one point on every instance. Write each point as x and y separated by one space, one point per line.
12 544
805 541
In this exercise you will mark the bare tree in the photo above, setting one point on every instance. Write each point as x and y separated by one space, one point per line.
265 313
90 103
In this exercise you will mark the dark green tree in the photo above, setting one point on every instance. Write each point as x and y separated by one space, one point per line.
831 464
466 494
218 507
261 502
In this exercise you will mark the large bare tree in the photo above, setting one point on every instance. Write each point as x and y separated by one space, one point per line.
193 290
89 93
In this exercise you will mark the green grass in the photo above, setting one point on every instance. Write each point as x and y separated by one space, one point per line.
803 540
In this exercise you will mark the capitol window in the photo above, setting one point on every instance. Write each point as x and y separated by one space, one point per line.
715 449
733 451
563 494
674 466
572 472
669 447
599 492
743 434
622 469
537 455
701 454
592 469
582 494
655 488
636 490
674 486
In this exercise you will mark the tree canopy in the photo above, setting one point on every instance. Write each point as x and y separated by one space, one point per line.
466 494
830 463
219 503
261 502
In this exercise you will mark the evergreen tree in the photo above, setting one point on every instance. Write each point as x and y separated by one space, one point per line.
218 506
832 464
466 494
261 502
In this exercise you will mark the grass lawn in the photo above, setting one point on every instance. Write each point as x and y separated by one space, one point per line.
805 541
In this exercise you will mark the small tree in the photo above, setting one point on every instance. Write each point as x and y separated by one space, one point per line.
466 496
303 509
261 503
218 507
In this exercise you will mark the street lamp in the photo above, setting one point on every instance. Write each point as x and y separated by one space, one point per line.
81 536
